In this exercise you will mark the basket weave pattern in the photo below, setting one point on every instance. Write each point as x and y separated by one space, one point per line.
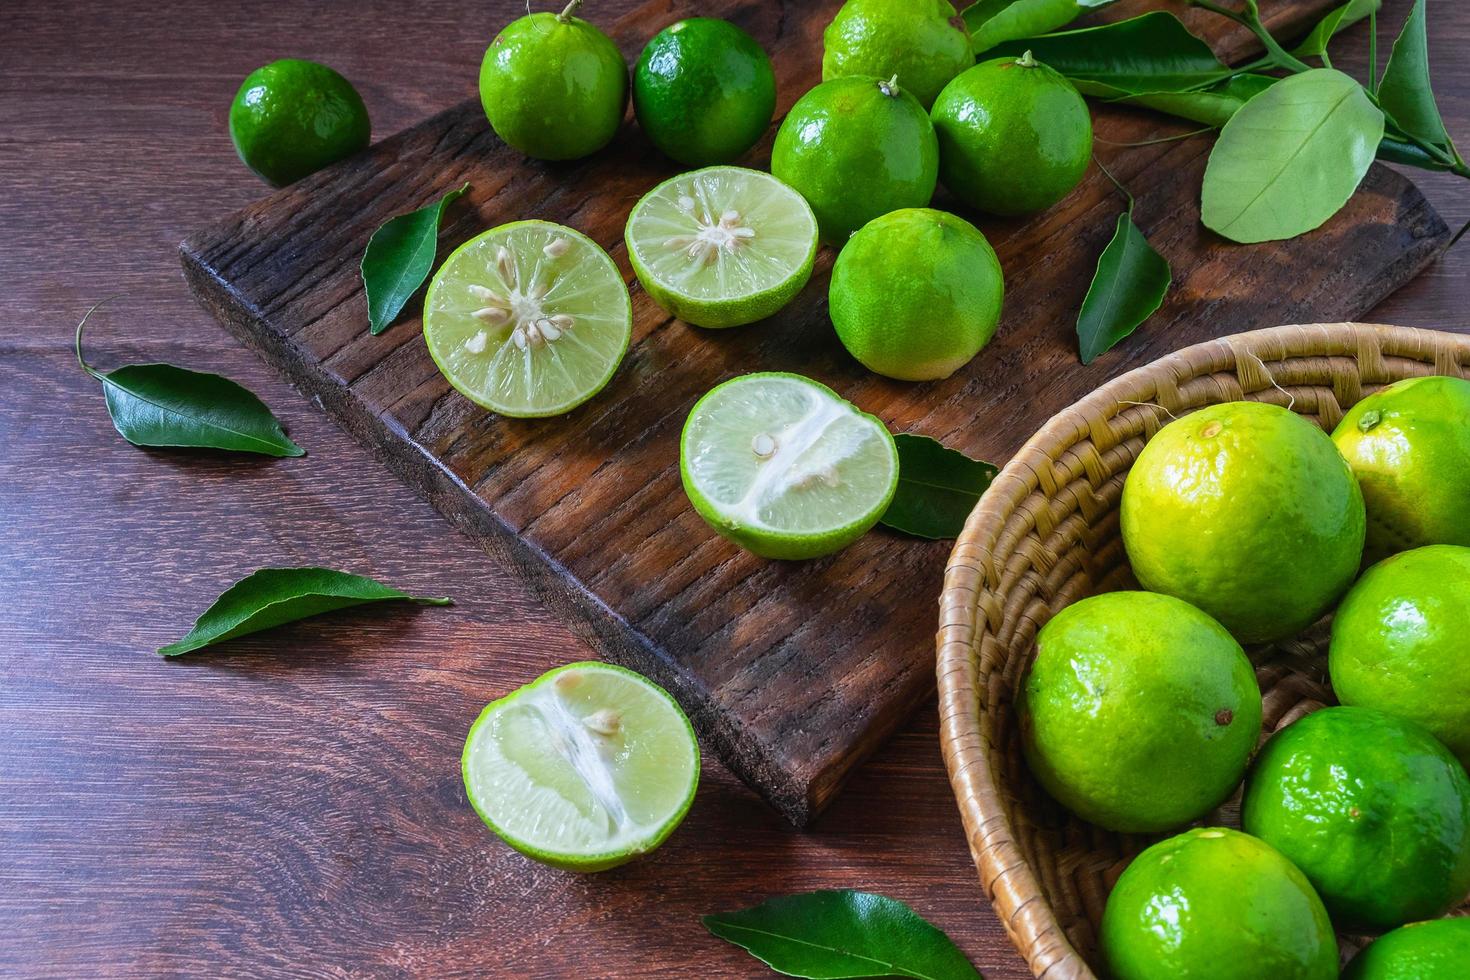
1046 534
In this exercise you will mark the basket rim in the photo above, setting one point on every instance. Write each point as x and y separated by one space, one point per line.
1005 875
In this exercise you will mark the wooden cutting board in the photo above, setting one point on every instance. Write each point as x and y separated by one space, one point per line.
791 672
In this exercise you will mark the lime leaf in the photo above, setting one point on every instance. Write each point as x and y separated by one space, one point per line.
992 21
1404 93
272 596
937 488
1290 158
1128 286
398 259
1212 106
1151 53
834 934
1314 45
166 406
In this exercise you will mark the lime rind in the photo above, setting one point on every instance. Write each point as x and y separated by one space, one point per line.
785 467
722 246
584 769
529 319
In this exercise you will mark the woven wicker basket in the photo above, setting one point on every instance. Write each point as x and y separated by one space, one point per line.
1046 534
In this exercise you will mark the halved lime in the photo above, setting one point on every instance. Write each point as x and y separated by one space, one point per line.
585 768
784 467
722 246
528 319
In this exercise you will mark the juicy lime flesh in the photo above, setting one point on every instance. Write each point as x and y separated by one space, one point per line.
586 767
528 319
722 245
779 455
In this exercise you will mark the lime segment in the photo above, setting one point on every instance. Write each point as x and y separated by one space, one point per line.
786 468
722 246
585 768
528 319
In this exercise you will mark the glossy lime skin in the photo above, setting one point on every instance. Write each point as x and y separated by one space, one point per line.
916 40
1013 138
704 91
1401 642
291 118
916 294
1247 511
1217 904
1139 713
1409 447
1372 809
553 88
856 148
1435 950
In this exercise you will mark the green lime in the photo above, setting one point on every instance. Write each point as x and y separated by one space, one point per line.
554 86
922 42
1247 511
704 91
916 294
1139 713
1401 642
1216 903
528 319
1435 950
722 246
784 467
1014 136
1371 808
857 148
585 768
1409 447
293 117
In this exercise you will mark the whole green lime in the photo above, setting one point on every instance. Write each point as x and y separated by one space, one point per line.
1139 713
1435 950
1014 136
1409 447
1372 809
1216 903
293 117
916 294
704 91
1248 511
1401 642
857 148
920 42
554 86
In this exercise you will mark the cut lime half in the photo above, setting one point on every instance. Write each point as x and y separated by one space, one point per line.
528 319
784 467
585 768
722 246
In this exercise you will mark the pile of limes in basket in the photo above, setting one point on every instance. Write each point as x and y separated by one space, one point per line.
1141 711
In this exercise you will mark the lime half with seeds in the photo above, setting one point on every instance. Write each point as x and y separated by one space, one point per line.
585 768
722 246
528 319
784 467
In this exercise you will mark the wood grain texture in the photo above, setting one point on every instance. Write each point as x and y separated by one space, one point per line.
793 672
291 808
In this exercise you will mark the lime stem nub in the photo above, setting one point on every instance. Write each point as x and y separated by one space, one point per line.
1027 60
890 87
568 10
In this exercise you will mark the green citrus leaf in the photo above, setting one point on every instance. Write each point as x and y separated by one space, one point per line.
937 488
166 406
1128 286
1212 106
1151 53
1290 158
1404 93
835 934
1314 45
399 257
272 596
992 21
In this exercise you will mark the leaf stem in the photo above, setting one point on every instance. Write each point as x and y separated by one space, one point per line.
1459 234
81 360
1373 52
568 10
1161 139
1116 183
1251 21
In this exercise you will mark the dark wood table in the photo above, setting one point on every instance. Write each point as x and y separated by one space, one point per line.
292 803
